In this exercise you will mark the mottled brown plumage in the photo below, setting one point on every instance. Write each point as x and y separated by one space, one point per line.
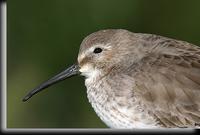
165 75
137 80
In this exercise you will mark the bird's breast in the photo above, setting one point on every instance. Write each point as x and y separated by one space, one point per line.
117 108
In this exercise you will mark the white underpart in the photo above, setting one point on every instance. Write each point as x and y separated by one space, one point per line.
129 118
121 122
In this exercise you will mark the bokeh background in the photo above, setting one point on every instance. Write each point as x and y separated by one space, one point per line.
44 38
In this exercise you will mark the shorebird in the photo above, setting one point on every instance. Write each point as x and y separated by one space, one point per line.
137 80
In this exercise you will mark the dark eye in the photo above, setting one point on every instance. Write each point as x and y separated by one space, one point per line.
97 50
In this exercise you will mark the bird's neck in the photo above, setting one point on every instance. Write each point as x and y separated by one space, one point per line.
95 87
109 87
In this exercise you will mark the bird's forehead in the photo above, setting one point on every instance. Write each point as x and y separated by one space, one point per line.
100 37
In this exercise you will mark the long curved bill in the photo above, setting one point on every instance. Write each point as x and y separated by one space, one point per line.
71 71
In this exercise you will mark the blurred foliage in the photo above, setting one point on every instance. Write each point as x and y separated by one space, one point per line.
44 38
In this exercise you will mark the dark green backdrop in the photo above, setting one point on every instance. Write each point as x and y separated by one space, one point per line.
44 38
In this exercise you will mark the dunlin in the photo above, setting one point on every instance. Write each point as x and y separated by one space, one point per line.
137 80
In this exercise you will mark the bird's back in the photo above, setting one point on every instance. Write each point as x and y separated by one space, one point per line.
168 81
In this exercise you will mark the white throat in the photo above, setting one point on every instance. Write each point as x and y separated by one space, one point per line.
90 73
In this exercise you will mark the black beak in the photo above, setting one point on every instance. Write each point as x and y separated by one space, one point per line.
71 71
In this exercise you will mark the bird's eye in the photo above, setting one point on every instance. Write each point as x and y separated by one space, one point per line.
97 50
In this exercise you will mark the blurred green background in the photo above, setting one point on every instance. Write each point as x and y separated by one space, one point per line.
44 38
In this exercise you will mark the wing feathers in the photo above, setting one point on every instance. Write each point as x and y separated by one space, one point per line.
171 89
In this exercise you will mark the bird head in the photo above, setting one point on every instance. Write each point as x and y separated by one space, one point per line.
105 50
100 53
